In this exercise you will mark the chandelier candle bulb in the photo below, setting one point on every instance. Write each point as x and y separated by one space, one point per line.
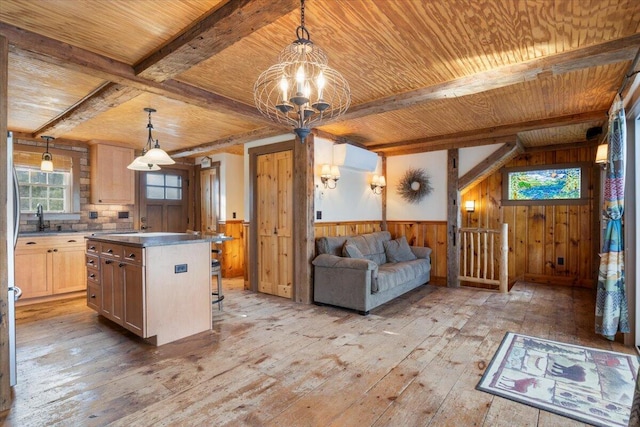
300 79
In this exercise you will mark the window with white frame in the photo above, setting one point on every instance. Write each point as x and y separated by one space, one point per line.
52 190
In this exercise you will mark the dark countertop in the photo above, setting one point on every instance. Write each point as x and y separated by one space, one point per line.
155 239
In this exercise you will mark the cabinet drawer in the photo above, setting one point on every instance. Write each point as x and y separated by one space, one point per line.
132 254
109 250
93 247
93 276
93 297
92 261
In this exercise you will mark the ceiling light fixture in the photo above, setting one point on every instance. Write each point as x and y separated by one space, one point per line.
301 90
152 154
47 159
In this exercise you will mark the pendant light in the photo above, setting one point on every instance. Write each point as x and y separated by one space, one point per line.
47 159
301 90
152 154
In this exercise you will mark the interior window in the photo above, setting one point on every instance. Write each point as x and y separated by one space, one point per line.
162 186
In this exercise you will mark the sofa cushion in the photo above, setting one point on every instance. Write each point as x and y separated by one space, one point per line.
371 245
350 250
398 250
391 275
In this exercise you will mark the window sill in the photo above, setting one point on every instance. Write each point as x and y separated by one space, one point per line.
59 216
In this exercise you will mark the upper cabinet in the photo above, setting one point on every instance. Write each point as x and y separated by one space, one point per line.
111 181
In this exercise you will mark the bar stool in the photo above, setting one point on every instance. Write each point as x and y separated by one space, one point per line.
216 271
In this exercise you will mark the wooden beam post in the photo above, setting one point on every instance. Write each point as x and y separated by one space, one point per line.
5 387
303 230
453 219
384 194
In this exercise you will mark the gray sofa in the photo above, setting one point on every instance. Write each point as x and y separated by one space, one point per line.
364 271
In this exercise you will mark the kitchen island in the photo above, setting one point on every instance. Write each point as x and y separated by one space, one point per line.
156 285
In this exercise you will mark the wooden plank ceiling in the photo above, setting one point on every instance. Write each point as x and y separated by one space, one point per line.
424 75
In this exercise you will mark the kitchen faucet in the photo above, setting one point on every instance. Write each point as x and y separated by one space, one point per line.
40 215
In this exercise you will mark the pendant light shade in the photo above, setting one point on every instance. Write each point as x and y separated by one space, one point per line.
152 154
139 165
47 159
157 156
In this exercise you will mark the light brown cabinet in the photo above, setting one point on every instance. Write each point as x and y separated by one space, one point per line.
160 292
111 181
50 265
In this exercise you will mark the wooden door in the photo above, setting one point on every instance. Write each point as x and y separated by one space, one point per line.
164 201
110 282
275 220
209 199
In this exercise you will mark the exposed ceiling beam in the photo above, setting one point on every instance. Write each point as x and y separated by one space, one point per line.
614 51
34 46
336 139
220 144
211 35
490 164
486 136
93 104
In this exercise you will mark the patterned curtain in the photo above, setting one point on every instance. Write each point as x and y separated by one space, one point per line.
611 303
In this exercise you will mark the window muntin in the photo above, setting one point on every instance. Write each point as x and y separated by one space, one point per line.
52 190
164 186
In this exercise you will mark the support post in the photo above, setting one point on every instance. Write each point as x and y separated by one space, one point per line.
453 220
504 258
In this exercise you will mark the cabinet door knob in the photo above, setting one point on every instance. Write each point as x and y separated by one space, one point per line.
132 256
108 262
93 295
90 262
49 251
121 265
92 275
55 250
92 248
110 251
71 241
31 243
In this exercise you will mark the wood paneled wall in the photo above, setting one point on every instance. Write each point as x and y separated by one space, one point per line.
540 235
233 250
347 228
432 234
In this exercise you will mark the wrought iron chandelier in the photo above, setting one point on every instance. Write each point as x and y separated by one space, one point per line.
152 154
301 90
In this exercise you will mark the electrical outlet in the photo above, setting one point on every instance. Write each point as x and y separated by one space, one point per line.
93 214
180 268
318 214
234 215
560 261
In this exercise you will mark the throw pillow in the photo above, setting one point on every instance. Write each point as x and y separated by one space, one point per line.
398 250
349 250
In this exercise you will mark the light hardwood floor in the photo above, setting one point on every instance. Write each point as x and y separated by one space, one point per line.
269 362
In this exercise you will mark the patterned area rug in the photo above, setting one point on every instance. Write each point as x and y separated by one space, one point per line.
589 385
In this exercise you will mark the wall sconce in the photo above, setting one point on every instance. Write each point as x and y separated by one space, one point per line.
470 205
329 174
377 184
602 153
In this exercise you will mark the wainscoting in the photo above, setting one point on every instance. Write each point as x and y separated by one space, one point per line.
555 244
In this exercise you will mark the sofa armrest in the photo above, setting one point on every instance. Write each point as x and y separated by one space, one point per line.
333 261
421 251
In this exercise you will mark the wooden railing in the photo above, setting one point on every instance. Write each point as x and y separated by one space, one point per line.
482 249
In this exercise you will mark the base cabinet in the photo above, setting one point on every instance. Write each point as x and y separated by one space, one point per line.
50 265
120 286
161 293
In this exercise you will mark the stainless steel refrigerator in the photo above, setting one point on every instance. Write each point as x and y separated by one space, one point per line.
13 223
